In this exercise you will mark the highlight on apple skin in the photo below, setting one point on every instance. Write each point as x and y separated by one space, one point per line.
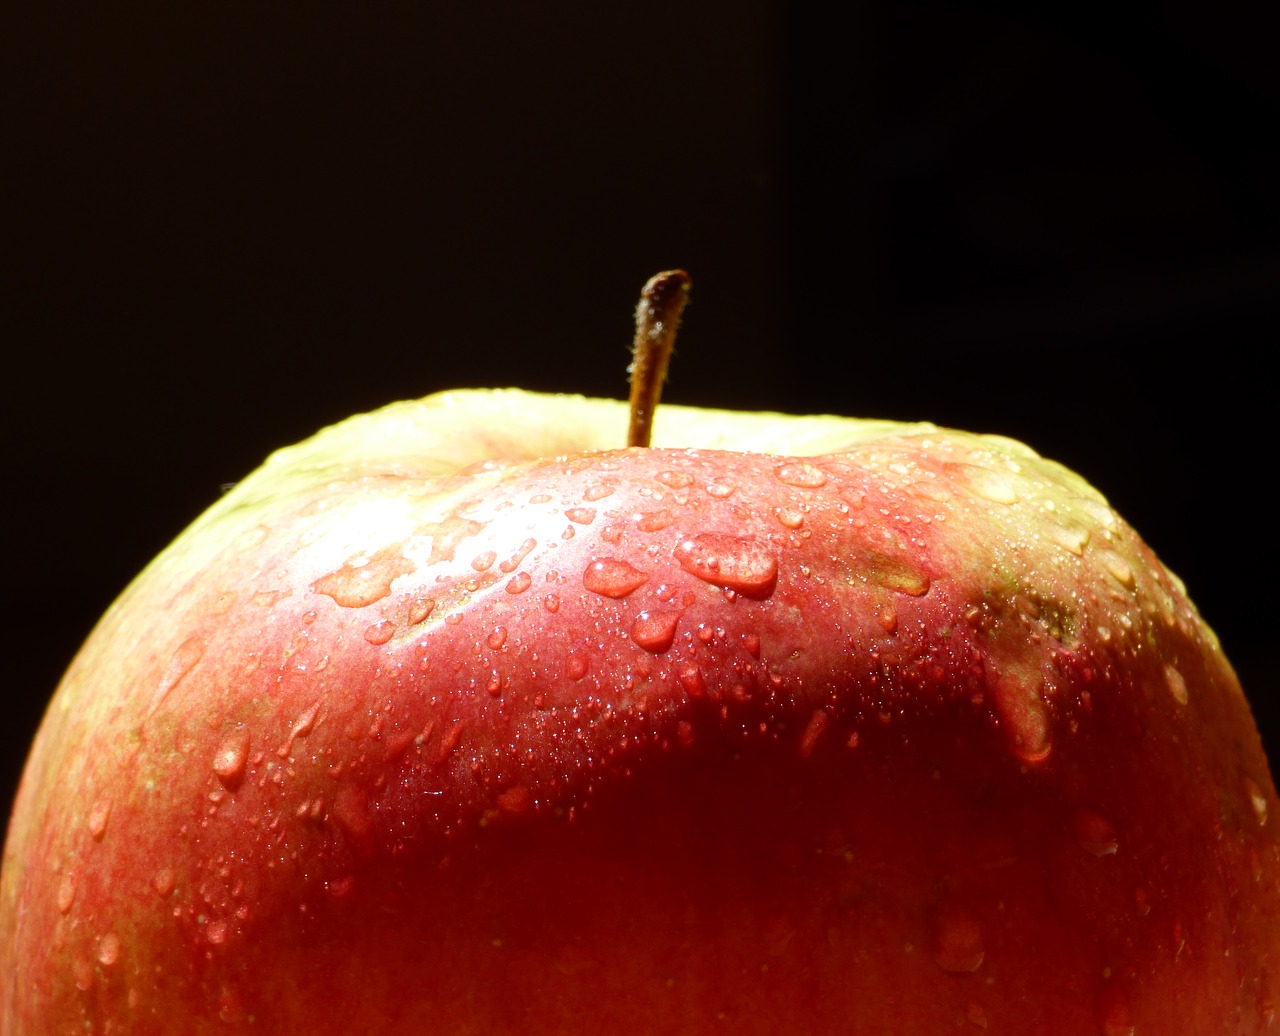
456 718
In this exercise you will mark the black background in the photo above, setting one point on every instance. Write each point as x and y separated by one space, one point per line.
228 224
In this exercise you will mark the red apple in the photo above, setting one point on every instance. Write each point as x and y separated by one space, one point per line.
457 718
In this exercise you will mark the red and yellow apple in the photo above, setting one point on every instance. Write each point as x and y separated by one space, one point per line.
457 718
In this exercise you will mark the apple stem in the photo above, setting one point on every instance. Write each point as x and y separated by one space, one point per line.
657 318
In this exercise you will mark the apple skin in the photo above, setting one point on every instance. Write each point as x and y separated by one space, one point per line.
456 719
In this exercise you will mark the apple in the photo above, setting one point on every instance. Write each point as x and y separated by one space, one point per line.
462 717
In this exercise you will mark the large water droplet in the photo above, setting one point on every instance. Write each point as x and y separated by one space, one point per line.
519 583
993 486
1177 684
518 555
801 475
613 577
108 949
66 891
1022 710
896 574
1257 800
655 521
1070 537
216 931
691 679
1115 1014
675 479
735 562
184 659
575 667
379 633
419 610
232 755
1096 834
818 724
1118 568
99 815
82 972
581 515
363 580
497 638
789 517
655 631
304 724
164 881
958 942
352 815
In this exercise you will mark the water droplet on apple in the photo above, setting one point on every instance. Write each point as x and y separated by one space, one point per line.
231 757
581 515
497 638
735 562
817 726
751 642
516 801
789 517
655 631
801 475
691 679
304 724
99 815
520 553
551 602
1177 684
82 972
380 632
887 617
575 667
519 583
420 608
1257 800
108 949
1073 538
351 814
184 659
1115 1014
66 891
993 486
958 942
613 577
895 574
340 887
1096 834
675 479
164 881
1022 710
655 521
363 580
1118 568
720 490
216 931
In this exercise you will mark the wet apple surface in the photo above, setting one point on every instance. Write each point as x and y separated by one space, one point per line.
454 717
